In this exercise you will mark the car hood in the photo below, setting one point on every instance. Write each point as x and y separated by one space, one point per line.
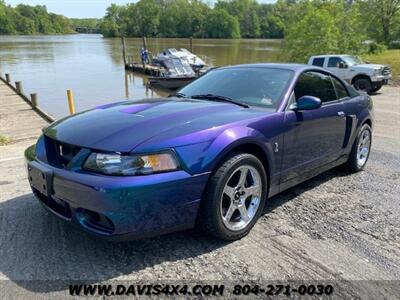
123 126
370 66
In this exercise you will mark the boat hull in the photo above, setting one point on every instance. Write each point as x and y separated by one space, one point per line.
171 83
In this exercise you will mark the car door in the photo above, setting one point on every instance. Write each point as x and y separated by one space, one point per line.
314 137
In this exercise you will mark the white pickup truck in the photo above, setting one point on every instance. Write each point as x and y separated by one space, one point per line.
363 76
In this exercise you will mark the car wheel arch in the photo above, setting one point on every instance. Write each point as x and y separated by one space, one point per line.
249 148
367 121
250 145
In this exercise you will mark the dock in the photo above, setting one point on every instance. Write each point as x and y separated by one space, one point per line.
18 121
143 69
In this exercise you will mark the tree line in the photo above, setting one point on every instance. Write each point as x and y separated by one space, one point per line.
317 26
25 19
193 18
376 19
307 26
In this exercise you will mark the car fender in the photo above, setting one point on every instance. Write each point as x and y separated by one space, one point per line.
215 151
362 113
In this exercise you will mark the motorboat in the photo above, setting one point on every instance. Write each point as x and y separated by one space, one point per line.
176 72
194 61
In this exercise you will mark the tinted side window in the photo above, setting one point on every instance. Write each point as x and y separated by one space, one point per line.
318 62
333 62
315 84
340 89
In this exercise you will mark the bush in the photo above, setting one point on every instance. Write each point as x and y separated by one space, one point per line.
374 48
4 140
394 44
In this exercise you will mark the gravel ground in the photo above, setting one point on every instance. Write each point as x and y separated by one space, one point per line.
338 227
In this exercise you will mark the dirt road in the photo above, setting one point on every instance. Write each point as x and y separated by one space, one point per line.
337 226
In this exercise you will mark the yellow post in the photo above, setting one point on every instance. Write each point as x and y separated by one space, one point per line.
71 102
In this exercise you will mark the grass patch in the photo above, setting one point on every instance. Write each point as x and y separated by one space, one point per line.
4 140
388 57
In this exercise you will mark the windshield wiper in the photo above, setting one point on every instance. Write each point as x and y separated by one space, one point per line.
219 98
178 95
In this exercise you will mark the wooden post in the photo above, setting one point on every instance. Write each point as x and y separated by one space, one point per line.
8 78
18 86
145 48
191 44
123 49
71 104
144 43
34 100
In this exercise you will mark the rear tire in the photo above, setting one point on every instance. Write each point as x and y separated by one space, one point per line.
360 151
363 84
237 189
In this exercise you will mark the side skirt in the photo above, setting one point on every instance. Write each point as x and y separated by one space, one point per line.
310 174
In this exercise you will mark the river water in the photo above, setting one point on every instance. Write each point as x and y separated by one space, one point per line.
92 67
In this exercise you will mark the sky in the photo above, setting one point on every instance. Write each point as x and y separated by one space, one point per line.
82 8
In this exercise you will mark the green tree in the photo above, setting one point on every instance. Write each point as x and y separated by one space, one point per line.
111 24
220 24
109 28
7 25
183 18
24 25
147 17
246 13
272 27
315 33
381 17
323 27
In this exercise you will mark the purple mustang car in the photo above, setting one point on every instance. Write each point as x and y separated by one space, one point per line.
210 155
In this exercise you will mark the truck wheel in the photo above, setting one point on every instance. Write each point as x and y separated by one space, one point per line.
363 84
376 88
234 198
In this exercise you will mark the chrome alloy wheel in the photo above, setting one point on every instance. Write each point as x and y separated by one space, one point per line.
363 148
241 197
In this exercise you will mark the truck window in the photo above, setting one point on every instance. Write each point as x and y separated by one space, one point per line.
315 84
319 61
333 62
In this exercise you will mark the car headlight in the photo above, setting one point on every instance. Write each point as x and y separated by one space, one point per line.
378 71
130 165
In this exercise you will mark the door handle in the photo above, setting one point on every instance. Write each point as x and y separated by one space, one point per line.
341 114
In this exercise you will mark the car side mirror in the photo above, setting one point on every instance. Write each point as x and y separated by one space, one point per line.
342 65
306 103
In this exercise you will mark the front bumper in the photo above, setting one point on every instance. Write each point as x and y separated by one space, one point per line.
381 79
119 208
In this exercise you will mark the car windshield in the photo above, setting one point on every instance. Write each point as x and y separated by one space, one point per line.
353 60
254 86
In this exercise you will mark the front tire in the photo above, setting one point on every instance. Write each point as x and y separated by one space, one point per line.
361 150
234 198
376 88
363 84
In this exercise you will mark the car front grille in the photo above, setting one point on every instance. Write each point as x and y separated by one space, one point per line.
59 154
